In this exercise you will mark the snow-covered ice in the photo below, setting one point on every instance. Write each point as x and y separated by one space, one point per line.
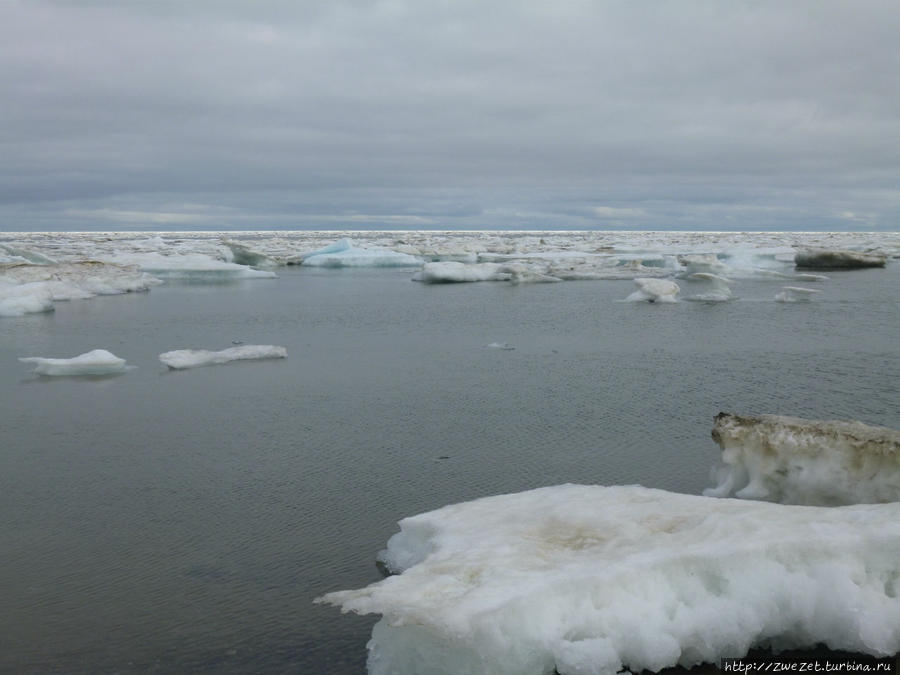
588 579
96 362
795 294
654 290
193 358
798 461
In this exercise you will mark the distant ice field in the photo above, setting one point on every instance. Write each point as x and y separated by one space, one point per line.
183 521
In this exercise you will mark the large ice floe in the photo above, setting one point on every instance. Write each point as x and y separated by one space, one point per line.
181 359
798 461
343 253
654 290
188 266
96 362
825 259
580 580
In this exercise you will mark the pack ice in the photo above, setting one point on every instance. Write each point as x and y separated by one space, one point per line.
798 461
96 362
181 359
584 580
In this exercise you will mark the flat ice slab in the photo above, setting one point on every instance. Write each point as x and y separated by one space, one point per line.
824 259
194 358
588 579
798 461
96 362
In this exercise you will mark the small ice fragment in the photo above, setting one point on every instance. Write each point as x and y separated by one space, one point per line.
500 345
193 358
96 362
795 294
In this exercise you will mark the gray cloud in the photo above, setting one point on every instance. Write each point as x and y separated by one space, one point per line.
450 114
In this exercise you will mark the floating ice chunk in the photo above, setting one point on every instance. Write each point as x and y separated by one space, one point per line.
588 579
797 461
795 294
601 269
195 266
810 277
193 358
654 290
457 272
96 362
69 281
343 253
719 287
500 345
703 263
244 255
20 299
823 259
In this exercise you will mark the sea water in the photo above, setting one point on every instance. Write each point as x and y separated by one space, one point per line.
184 521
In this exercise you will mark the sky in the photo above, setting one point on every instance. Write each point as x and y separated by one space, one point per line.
449 114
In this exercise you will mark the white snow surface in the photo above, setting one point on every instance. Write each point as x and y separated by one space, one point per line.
654 290
96 362
181 359
590 579
799 461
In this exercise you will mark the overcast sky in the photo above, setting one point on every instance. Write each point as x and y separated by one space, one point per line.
415 114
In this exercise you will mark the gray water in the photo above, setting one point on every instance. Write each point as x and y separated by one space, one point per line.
184 521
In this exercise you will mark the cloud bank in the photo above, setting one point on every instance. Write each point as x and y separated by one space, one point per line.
410 114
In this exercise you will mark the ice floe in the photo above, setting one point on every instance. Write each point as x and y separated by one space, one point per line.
795 294
96 362
798 461
243 255
181 359
654 290
581 579
343 253
824 259
188 266
68 281
718 287
19 299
